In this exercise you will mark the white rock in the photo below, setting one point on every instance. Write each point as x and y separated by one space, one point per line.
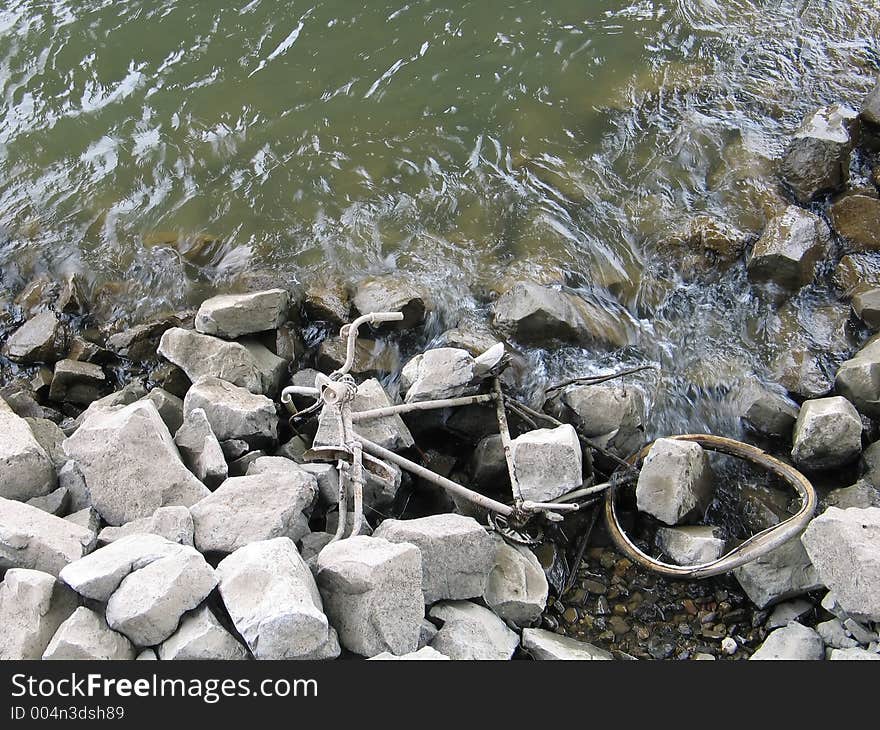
200 449
542 644
172 523
233 315
517 587
676 481
793 642
253 508
844 545
25 468
372 592
130 463
233 412
690 545
426 653
548 462
470 631
147 655
850 655
457 553
782 573
827 434
834 635
201 636
32 607
88 518
729 645
31 538
86 635
444 372
274 602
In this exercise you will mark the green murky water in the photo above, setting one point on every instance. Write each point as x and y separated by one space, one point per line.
171 148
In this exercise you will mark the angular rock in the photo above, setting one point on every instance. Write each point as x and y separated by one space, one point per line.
201 637
70 478
130 463
77 382
861 494
55 503
488 465
443 372
254 508
517 588
866 305
792 642
858 379
31 538
690 545
676 481
855 654
132 392
139 343
780 574
786 255
472 632
391 294
770 413
327 477
457 553
311 546
332 523
426 653
612 415
200 449
233 315
857 219
233 412
32 607
147 655
844 545
784 613
274 602
327 301
834 635
372 593
827 434
371 357
870 111
86 636
538 315
276 465
542 644
817 160
50 437
41 339
548 462
170 407
856 272
173 523
26 470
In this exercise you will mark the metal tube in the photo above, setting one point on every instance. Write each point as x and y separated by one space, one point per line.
447 484
357 484
583 492
427 405
505 441
343 501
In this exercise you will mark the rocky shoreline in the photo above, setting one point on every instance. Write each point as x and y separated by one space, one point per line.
156 502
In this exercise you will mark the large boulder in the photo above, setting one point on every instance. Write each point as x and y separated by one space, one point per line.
172 523
247 364
26 470
844 545
472 632
253 508
545 645
538 315
817 160
274 602
86 636
32 538
32 607
548 462
827 434
200 449
457 553
444 372
234 413
858 379
233 315
856 218
391 293
794 642
675 483
786 255
130 463
372 592
200 636
41 339
517 588
780 574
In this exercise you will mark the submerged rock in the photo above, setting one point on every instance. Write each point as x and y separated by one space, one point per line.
391 294
371 357
769 413
827 434
857 272
857 219
233 315
866 305
327 301
32 607
676 481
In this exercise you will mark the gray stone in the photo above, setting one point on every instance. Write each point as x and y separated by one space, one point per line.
827 434
173 523
870 111
676 481
834 635
274 602
233 449
784 613
371 357
55 503
87 517
859 632
425 653
70 477
240 467
857 219
770 413
612 415
295 449
139 343
801 373
690 545
200 449
50 437
327 301
548 462
26 470
861 494
391 293
327 477
77 382
783 573
457 553
443 372
488 465
545 645
41 339
817 160
372 593
311 546
517 587
201 637
538 315
332 522
792 642
786 255
249 365
233 315
32 607
253 508
472 632
858 379
170 407
86 636
276 465
854 654
147 655
844 545
31 538
127 395
233 412
130 463
427 632
866 305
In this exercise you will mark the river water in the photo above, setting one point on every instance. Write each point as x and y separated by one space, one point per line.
168 149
